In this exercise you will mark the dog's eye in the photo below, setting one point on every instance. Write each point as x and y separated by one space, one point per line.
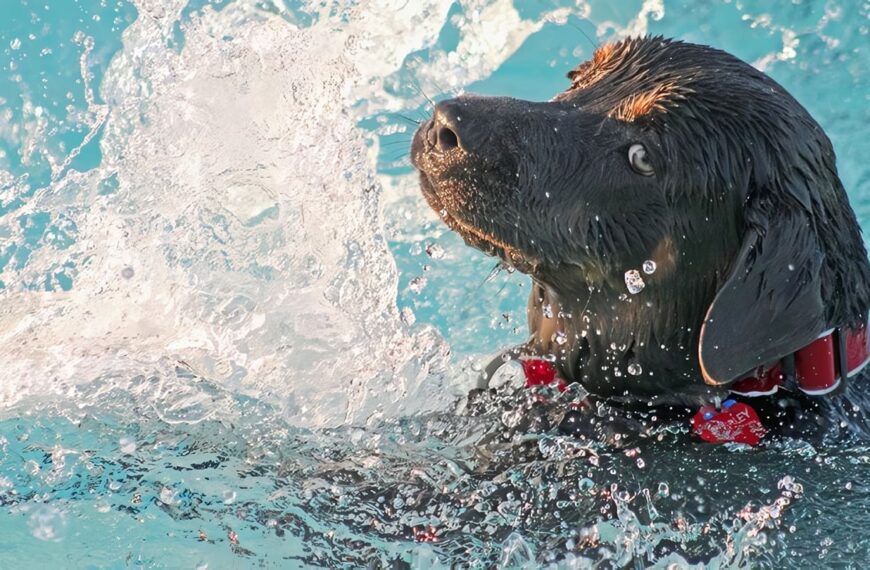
639 161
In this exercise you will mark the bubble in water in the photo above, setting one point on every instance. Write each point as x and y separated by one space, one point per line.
47 523
15 44
127 446
229 497
417 284
649 266
664 490
434 251
561 337
547 310
633 281
635 369
167 496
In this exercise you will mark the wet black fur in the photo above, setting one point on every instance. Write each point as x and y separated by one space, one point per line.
745 204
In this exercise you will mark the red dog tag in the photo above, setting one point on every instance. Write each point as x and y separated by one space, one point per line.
735 422
541 373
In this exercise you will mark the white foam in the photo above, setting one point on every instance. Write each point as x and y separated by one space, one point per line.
244 241
247 211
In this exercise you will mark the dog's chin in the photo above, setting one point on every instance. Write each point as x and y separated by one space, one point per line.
473 235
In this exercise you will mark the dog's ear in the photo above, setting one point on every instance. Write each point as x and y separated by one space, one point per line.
771 303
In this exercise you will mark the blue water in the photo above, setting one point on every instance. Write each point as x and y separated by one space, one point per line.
154 463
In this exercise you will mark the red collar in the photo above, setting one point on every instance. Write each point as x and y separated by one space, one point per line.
817 369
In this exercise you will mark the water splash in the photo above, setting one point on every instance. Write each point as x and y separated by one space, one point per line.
242 239
233 226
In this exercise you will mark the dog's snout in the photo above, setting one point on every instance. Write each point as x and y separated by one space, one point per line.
441 137
465 131
445 131
447 139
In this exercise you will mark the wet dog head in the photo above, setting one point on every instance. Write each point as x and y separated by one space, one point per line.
661 155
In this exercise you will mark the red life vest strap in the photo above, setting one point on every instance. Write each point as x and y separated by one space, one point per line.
817 369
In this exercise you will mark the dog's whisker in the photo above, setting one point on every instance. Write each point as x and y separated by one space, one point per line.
493 273
585 35
409 119
400 161
415 84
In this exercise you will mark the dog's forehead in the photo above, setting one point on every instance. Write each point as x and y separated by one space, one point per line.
640 77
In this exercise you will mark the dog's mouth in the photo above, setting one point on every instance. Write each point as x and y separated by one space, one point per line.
476 237
448 169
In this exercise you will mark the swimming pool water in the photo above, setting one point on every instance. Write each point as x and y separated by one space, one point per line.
231 332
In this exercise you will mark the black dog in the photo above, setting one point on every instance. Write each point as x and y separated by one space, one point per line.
679 212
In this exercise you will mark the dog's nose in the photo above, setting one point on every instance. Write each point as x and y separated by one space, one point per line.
444 134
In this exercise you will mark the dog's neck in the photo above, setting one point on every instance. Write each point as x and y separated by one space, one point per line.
623 345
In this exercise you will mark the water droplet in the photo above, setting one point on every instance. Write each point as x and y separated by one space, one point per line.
127 273
649 266
417 284
15 44
635 369
434 251
561 337
408 316
547 310
640 463
633 281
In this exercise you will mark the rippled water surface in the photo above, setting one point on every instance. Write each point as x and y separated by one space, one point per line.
232 334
